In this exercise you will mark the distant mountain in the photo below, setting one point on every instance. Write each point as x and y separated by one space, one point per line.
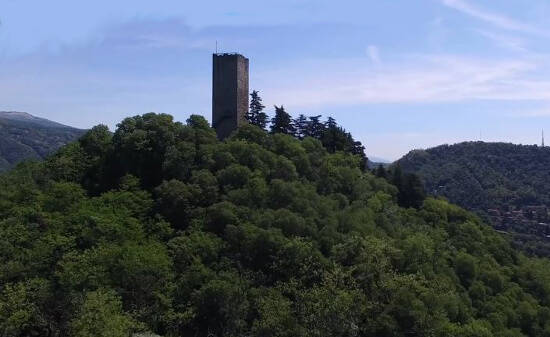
24 136
507 184
379 160
479 175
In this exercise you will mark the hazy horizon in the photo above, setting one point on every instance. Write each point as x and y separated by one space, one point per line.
398 75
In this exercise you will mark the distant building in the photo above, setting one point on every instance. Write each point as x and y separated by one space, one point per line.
532 220
229 92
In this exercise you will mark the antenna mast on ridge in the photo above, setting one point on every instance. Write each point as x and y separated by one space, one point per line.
542 137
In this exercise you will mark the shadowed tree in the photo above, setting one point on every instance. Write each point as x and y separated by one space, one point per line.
282 122
300 124
411 190
256 115
381 172
314 127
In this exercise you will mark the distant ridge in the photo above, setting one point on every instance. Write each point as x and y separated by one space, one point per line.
27 117
480 175
379 160
24 136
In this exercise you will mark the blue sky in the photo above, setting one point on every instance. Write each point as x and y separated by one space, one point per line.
398 74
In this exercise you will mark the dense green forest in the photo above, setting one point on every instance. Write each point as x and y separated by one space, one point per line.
479 176
161 228
23 137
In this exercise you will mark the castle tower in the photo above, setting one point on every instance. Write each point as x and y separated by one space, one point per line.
229 92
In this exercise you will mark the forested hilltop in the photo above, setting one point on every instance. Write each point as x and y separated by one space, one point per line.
24 137
507 184
161 228
479 176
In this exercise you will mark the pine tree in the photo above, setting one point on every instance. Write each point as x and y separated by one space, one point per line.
331 123
315 128
256 115
381 172
397 177
335 138
413 193
300 124
282 122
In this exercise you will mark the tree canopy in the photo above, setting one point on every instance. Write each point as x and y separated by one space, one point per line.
479 176
492 177
159 228
282 122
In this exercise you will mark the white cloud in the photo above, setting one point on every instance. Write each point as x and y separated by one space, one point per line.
539 112
493 18
509 42
416 79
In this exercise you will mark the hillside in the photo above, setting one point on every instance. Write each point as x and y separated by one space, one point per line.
23 136
507 184
481 176
161 228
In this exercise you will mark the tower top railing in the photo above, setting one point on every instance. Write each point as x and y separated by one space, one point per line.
229 54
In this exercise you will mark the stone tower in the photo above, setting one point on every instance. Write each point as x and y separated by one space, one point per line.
229 92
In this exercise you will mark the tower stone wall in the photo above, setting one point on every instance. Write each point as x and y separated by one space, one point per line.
229 92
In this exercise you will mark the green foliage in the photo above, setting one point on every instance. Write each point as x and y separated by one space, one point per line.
282 122
411 191
256 115
160 229
479 176
333 137
466 269
22 307
101 315
488 178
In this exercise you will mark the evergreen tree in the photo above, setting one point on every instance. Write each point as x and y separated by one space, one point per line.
397 177
300 125
380 172
335 138
315 128
359 149
411 191
282 122
331 123
256 115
